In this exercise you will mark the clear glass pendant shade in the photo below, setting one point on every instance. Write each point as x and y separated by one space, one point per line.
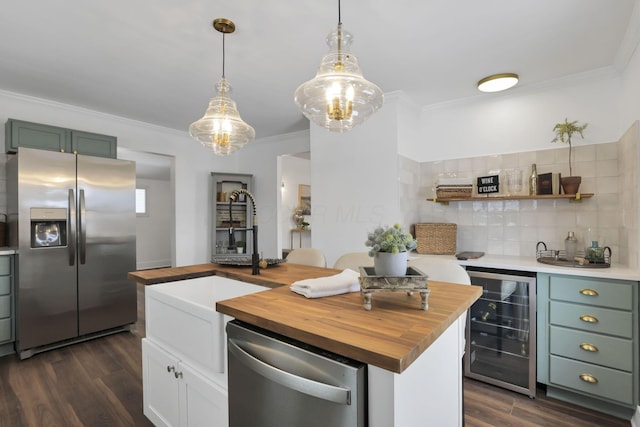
221 129
339 97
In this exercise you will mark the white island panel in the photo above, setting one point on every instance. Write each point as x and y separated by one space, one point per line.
429 392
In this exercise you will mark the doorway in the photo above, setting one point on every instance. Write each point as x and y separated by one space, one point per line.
295 173
155 220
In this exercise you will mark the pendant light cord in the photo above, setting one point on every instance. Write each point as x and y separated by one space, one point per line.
339 32
223 55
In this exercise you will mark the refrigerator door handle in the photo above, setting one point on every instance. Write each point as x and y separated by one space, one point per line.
303 385
83 229
72 227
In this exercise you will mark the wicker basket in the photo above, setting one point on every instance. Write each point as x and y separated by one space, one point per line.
453 191
436 238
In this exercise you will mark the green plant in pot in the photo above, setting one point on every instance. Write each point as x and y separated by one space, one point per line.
240 245
564 132
389 248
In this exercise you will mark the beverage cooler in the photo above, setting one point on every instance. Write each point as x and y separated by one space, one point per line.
501 330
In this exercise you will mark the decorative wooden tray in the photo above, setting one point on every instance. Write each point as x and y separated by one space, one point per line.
414 281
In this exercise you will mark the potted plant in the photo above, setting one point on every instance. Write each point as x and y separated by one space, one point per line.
564 132
389 248
240 246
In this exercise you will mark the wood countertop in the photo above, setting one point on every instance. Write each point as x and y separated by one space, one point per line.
391 336
272 277
171 274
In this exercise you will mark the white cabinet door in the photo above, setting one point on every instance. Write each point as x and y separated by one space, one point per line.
161 392
202 402
174 394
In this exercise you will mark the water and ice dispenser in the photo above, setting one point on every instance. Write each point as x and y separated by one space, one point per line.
48 227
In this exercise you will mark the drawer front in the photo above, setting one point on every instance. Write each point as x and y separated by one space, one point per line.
609 383
587 347
5 265
5 306
603 320
5 285
593 291
5 330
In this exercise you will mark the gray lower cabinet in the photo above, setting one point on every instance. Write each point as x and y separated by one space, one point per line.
19 133
7 305
588 342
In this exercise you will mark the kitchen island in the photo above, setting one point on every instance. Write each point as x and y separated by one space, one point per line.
413 355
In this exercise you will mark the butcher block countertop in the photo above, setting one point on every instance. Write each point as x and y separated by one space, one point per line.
272 277
390 336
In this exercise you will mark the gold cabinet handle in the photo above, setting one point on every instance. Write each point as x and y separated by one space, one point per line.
589 292
589 319
588 378
588 347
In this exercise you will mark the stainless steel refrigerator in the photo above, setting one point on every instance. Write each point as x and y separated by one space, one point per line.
72 219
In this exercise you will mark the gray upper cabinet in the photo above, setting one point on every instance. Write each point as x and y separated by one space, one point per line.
92 144
34 135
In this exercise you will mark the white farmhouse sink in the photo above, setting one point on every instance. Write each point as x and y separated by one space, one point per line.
182 317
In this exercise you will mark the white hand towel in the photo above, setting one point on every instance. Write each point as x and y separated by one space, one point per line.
347 281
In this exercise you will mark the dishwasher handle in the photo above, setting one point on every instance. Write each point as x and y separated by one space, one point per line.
303 385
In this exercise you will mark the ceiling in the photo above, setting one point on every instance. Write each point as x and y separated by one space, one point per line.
157 60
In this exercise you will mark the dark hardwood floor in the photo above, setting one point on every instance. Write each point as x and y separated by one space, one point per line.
94 383
99 383
487 405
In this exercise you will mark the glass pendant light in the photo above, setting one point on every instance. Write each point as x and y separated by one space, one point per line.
221 129
339 97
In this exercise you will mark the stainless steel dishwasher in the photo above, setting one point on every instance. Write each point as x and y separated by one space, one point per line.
275 381
501 330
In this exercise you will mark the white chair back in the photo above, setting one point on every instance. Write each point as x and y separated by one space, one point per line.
307 256
354 260
441 270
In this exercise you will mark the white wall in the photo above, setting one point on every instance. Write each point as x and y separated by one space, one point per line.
261 158
294 171
354 179
192 162
629 64
153 245
522 119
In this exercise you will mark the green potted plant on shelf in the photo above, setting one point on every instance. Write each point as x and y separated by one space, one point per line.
564 132
240 246
389 249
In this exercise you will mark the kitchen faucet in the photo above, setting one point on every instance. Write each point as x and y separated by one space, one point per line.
255 257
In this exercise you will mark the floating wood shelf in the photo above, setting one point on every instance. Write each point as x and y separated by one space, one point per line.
571 197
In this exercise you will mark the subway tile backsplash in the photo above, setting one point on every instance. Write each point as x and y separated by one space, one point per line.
513 227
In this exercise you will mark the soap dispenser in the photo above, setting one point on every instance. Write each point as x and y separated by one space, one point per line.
570 246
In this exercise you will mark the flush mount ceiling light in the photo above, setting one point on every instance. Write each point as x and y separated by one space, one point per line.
221 129
498 82
339 97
